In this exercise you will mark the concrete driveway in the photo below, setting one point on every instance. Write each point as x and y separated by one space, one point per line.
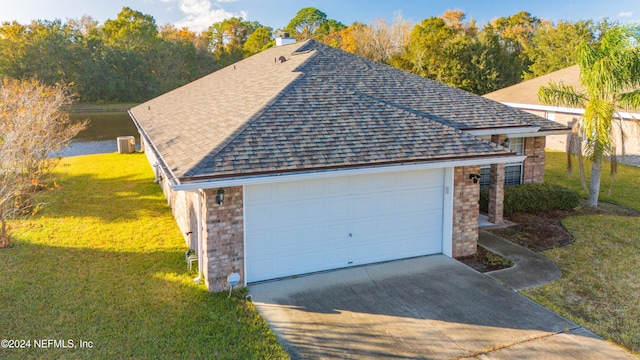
430 307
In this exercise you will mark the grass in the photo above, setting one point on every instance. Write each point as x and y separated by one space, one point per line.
100 108
104 262
624 190
600 287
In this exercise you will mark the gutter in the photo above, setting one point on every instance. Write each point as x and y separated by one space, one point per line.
365 170
516 130
576 111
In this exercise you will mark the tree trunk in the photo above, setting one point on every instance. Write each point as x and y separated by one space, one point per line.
4 237
594 186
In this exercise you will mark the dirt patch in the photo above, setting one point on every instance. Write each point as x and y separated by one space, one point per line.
544 231
485 260
538 232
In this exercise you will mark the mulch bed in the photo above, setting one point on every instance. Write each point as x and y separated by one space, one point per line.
485 261
539 232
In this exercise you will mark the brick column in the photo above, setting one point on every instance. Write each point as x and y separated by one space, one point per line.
533 166
496 186
496 193
223 237
466 195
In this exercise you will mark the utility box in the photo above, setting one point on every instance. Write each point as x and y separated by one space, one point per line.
126 144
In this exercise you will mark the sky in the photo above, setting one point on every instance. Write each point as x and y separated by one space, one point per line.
197 15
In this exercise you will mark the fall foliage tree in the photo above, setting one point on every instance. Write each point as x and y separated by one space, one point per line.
33 124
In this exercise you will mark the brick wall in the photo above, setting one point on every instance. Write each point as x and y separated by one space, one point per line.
223 236
533 166
466 195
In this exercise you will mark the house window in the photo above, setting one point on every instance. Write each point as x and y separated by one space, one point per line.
512 171
513 175
485 177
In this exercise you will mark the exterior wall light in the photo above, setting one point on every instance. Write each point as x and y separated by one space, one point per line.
506 143
220 196
474 177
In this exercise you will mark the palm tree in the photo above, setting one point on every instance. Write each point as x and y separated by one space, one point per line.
610 73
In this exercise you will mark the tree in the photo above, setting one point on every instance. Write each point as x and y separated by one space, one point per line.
131 30
548 50
610 73
227 39
379 41
33 124
51 52
13 44
306 22
515 35
258 41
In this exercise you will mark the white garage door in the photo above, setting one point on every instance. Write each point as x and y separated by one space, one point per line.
313 225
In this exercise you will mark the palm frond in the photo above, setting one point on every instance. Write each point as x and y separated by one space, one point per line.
559 94
630 101
596 121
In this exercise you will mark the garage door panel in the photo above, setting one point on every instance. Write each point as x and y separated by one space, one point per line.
285 191
361 184
337 209
337 186
304 226
311 211
258 217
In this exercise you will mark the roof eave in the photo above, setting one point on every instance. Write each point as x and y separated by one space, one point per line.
156 154
510 130
271 177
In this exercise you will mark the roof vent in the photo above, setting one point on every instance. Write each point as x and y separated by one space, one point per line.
285 40
282 59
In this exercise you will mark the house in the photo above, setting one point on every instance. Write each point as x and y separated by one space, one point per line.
524 96
306 158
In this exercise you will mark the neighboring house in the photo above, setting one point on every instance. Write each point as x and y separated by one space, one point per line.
524 95
306 158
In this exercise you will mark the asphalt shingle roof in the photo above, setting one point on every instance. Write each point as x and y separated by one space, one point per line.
526 92
320 108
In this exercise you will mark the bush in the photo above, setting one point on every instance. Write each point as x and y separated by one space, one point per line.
533 198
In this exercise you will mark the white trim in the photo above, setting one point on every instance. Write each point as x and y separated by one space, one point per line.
447 213
200 231
244 237
622 114
210 184
505 130
546 108
549 133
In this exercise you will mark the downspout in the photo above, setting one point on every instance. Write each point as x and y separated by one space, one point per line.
200 230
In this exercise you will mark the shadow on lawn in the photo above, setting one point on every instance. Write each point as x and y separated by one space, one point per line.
130 305
110 199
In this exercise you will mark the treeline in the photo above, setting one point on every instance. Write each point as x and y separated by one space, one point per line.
132 59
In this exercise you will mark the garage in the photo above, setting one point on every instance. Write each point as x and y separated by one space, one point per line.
305 226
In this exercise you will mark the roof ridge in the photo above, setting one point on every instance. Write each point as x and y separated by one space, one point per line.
418 114
232 136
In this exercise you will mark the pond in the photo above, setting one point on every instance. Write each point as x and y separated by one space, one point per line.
100 135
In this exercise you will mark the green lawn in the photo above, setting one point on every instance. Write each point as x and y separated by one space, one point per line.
104 262
625 189
600 284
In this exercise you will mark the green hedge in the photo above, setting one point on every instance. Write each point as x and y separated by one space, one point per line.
533 198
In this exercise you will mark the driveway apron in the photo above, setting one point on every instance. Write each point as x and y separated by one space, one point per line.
430 307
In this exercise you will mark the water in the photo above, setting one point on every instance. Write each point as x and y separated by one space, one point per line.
100 135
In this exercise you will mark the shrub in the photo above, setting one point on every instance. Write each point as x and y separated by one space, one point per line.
533 198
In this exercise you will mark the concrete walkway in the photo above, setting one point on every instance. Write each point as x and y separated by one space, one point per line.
530 268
